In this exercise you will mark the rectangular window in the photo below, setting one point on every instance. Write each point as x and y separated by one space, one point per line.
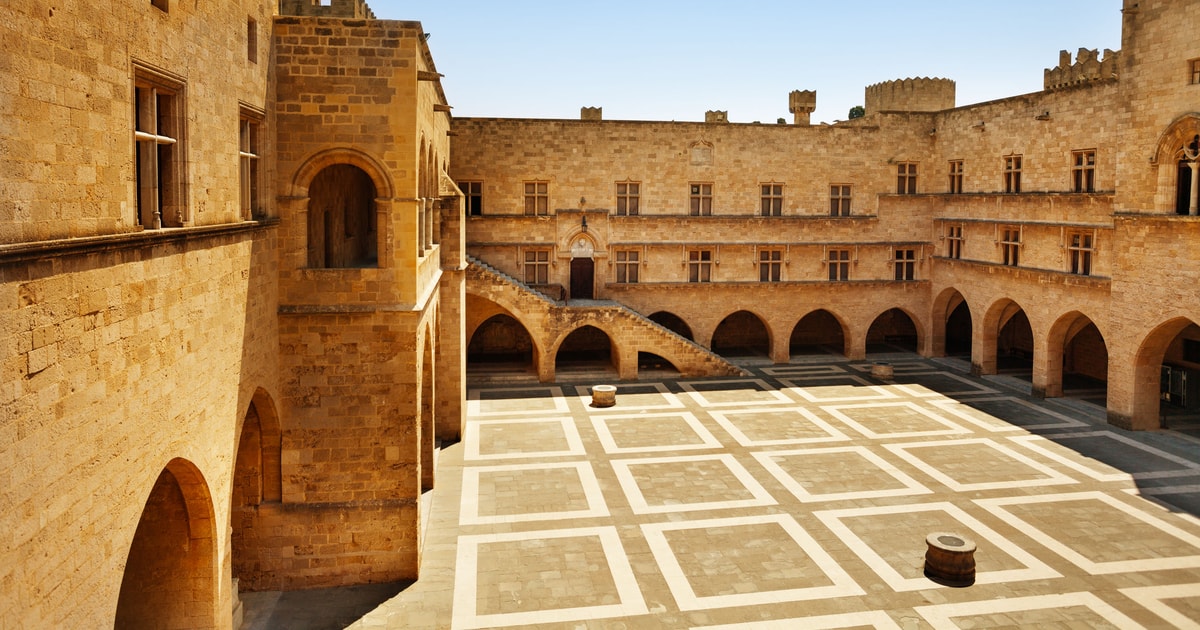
1012 173
772 200
770 265
701 198
1083 171
906 264
839 200
956 177
158 135
537 199
537 266
627 266
839 265
1010 246
628 194
473 197
1079 250
1195 71
954 241
252 40
249 133
700 265
906 178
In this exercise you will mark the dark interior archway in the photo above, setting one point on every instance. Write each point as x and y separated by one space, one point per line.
1014 347
958 331
650 363
500 340
341 218
819 332
587 348
257 479
742 334
1085 365
673 323
892 331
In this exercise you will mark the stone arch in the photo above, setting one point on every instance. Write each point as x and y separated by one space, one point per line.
329 157
587 347
342 228
170 578
1076 352
428 430
952 324
1152 353
819 332
673 323
742 333
1182 131
1006 339
257 479
648 361
501 338
893 329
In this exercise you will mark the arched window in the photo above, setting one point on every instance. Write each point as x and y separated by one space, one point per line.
1186 184
341 218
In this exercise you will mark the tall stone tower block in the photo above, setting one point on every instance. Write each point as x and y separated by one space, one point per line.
801 105
910 95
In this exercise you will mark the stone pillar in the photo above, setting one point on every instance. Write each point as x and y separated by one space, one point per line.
1194 193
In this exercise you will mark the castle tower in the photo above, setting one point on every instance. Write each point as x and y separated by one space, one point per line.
801 105
920 94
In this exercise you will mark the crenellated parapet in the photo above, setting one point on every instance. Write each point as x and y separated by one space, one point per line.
918 94
801 104
1088 67
357 9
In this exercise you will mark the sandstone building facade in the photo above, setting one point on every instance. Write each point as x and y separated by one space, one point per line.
246 256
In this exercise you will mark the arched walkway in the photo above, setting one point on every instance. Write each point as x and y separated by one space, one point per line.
257 479
170 573
673 323
341 218
652 364
1077 364
1166 385
958 332
819 332
428 431
742 334
501 343
893 331
1014 347
586 349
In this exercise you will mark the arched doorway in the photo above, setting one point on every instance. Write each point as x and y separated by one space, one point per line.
958 331
583 270
341 218
673 323
501 343
1167 377
586 349
257 479
170 573
819 332
742 334
1014 345
892 331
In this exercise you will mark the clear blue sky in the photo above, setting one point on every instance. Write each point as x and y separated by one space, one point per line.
653 60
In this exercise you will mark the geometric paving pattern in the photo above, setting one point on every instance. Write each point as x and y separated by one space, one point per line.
800 497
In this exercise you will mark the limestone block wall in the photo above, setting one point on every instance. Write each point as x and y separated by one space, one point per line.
67 94
115 361
920 94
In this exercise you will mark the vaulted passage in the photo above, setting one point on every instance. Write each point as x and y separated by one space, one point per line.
170 573
892 331
500 339
256 480
586 349
742 334
819 332
673 323
1014 347
958 332
1085 365
652 364
1167 380
341 218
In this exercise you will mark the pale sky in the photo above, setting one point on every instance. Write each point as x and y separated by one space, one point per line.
654 60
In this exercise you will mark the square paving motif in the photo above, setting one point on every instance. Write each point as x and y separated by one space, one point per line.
1178 604
530 492
511 400
893 419
1005 413
651 432
511 439
1090 451
978 464
836 474
743 562
739 392
633 396
769 427
838 388
681 484
543 577
1067 610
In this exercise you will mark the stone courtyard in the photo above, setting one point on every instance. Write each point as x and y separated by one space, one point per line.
800 497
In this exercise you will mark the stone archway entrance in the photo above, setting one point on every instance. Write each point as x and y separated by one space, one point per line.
583 270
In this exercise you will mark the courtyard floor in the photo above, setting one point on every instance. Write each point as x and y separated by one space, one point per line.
801 497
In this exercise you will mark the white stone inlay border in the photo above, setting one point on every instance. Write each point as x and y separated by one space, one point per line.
722 418
803 370
1053 477
1039 443
911 486
953 429
953 407
869 391
941 616
685 596
707 439
877 619
764 387
465 617
1151 597
469 502
637 501
996 506
471 439
671 400
474 402
1034 568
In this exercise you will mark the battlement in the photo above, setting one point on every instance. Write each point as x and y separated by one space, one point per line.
327 8
716 116
801 104
918 94
1088 67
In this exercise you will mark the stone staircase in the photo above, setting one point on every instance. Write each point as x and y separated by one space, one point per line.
630 327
